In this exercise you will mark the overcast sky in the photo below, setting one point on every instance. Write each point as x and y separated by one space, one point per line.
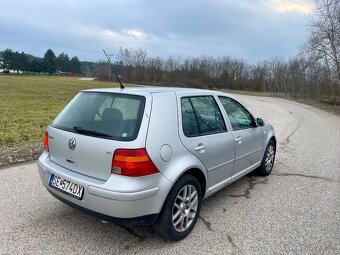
250 29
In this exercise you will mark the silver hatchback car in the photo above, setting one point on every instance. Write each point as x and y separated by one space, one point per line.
150 155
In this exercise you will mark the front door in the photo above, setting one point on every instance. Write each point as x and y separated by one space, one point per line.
248 136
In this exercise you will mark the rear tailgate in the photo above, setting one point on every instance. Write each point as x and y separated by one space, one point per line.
88 154
92 156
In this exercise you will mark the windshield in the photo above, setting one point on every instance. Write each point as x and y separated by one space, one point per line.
104 115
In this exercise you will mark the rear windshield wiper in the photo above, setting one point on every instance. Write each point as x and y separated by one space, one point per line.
89 132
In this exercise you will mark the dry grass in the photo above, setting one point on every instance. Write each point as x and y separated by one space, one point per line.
324 105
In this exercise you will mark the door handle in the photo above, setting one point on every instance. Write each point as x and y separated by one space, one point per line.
238 139
200 147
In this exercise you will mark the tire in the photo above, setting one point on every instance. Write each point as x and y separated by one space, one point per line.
267 160
185 210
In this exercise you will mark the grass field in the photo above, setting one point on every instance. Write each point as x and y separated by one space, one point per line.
28 104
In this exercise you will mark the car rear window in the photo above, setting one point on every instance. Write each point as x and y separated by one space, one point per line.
105 115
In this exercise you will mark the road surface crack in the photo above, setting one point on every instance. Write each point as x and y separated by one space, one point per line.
298 174
286 141
141 238
206 223
230 239
252 181
302 175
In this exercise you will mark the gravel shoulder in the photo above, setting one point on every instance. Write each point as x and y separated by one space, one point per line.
19 153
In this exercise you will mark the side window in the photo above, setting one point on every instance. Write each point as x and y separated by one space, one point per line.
239 117
201 116
189 122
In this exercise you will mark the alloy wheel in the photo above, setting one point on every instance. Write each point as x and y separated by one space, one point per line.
185 208
269 160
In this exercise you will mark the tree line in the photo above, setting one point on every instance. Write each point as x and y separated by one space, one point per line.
299 77
50 63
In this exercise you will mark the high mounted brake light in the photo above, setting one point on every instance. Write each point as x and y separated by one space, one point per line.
133 163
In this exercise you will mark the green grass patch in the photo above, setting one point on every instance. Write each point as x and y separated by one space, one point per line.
28 104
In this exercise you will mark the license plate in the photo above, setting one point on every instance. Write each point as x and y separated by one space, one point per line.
67 187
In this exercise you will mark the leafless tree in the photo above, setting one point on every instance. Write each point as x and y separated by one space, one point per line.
305 76
323 44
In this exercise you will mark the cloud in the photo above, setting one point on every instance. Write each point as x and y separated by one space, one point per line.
109 37
249 29
292 6
135 33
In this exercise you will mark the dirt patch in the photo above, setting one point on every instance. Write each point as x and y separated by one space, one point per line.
18 153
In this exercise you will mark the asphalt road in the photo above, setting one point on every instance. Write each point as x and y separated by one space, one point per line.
295 210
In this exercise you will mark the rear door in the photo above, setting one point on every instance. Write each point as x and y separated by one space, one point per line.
248 137
92 126
204 134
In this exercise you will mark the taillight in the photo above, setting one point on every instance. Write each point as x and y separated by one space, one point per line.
46 141
132 163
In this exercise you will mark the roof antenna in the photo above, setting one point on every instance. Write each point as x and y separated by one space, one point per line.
114 71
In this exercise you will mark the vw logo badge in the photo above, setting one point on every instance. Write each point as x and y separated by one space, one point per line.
72 143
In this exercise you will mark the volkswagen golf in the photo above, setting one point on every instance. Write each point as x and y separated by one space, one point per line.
151 155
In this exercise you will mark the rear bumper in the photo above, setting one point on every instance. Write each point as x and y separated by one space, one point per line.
146 219
119 199
127 196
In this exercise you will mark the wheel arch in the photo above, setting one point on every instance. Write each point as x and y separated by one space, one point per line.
198 174
273 138
195 172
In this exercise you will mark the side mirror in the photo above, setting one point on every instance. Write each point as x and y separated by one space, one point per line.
260 122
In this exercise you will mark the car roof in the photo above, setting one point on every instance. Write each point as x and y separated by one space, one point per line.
143 90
